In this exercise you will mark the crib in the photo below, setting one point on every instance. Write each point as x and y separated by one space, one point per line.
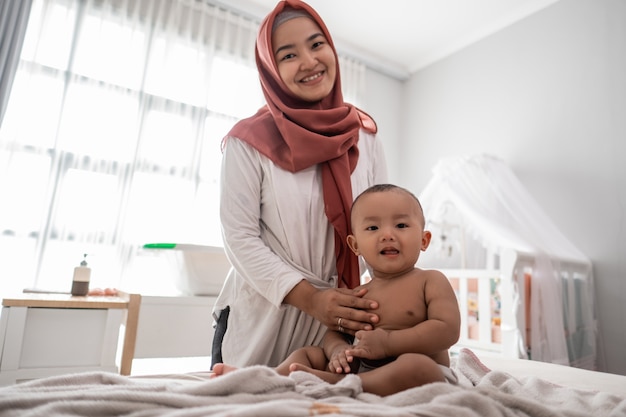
496 308
524 290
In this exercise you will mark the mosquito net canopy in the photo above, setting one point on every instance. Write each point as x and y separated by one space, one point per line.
475 206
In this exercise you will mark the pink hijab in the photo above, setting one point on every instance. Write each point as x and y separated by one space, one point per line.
295 135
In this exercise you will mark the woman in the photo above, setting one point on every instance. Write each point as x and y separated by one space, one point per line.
289 175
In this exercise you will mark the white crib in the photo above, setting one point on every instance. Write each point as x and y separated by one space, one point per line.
531 291
496 308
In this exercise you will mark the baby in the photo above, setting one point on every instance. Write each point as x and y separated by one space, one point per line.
418 310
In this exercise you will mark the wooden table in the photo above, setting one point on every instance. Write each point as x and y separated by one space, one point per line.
45 334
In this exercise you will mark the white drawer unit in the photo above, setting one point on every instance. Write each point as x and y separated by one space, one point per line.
44 335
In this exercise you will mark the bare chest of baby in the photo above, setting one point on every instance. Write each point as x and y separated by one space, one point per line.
401 302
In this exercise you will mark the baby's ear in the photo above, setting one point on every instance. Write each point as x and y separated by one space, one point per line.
351 241
426 236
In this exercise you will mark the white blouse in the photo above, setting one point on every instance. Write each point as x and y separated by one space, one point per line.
275 234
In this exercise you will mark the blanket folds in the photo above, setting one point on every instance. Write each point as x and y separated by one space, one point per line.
259 391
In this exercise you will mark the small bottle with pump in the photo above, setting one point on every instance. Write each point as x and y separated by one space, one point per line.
80 283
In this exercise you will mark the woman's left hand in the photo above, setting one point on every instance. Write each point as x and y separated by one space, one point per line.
345 310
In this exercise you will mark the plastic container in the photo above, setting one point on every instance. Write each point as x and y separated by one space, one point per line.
197 269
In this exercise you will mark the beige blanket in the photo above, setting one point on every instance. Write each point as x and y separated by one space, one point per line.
259 391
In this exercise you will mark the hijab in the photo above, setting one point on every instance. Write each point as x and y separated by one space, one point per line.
295 134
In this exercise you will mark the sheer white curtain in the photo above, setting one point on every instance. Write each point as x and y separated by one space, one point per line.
13 20
111 138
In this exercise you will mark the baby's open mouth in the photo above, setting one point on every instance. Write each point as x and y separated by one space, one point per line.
389 251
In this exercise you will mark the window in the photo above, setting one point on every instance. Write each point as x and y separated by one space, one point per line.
113 131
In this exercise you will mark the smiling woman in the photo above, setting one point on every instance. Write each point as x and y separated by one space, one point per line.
289 175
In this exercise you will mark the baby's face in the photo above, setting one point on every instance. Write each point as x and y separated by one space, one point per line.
388 230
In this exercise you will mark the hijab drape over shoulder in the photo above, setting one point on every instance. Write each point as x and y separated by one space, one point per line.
295 135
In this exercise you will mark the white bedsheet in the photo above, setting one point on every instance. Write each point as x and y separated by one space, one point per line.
259 391
560 375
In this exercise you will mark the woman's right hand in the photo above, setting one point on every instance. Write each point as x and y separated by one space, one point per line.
338 309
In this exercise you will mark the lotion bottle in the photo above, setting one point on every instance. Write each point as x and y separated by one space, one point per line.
80 283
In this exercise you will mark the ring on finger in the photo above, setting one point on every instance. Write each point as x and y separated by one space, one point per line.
341 329
339 322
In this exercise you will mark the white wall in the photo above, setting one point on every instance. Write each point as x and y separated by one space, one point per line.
383 103
547 95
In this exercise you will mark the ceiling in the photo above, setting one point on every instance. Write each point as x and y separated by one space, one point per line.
404 36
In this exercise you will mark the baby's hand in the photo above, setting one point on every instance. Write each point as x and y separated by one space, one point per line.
340 362
371 344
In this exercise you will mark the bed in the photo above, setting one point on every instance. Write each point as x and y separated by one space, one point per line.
489 386
508 299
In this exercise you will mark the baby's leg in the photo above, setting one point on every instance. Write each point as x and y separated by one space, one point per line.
310 356
407 371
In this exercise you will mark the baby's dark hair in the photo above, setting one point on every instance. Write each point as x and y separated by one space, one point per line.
381 188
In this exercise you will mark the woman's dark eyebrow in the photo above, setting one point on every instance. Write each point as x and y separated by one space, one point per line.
288 46
313 36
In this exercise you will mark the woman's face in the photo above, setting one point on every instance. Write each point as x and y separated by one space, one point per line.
306 61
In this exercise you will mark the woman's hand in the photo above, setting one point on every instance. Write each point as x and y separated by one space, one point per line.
338 309
343 310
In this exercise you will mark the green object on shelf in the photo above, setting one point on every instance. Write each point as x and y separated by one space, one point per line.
159 246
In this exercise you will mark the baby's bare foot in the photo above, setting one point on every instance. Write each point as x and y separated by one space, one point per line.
222 369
